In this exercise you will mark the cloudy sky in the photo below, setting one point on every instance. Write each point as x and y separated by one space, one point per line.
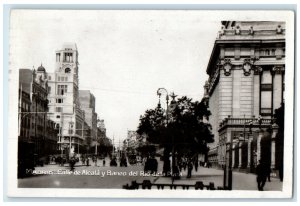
124 56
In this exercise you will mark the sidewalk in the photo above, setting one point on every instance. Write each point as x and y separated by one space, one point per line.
241 181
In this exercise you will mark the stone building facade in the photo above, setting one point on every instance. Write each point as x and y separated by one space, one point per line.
34 125
64 105
245 86
87 102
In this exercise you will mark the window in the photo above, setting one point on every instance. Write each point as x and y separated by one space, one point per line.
68 57
58 109
266 93
61 89
59 100
273 52
57 57
49 89
49 77
67 70
63 79
58 116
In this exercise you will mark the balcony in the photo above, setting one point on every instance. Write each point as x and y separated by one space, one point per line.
236 34
241 122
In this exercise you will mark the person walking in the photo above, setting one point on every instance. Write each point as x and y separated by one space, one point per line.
196 165
88 161
261 172
190 168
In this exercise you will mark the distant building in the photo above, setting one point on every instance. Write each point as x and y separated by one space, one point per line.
245 86
131 142
101 126
87 104
64 105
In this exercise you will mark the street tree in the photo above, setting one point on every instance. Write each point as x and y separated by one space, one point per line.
182 130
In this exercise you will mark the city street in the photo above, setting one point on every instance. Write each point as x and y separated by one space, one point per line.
115 177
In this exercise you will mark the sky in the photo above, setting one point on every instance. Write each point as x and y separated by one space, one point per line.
124 56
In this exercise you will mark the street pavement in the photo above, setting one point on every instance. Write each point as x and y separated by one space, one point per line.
105 177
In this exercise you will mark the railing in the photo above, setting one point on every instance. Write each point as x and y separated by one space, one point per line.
245 121
247 32
146 184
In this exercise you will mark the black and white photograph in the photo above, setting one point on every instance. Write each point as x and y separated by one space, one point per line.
151 103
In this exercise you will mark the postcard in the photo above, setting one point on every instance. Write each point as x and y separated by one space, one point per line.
151 103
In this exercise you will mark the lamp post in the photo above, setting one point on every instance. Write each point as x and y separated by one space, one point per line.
159 93
230 164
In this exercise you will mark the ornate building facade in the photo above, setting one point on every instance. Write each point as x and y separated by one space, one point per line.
37 133
64 105
245 86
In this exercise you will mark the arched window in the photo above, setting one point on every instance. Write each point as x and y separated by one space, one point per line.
267 52
273 52
67 70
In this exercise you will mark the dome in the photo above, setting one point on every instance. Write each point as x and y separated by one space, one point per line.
41 69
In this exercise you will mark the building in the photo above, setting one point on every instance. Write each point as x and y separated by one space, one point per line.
64 105
131 143
87 104
37 134
102 128
25 142
245 86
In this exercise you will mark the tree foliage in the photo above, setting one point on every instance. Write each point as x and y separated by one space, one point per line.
182 126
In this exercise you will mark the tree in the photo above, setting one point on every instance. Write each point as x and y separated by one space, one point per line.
182 130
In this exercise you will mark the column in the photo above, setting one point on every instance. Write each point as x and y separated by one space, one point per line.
260 134
249 153
256 85
277 86
240 146
273 145
233 155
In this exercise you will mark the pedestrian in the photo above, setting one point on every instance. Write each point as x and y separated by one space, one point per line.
184 165
196 165
103 162
180 165
72 163
87 161
261 172
190 168
82 160
96 161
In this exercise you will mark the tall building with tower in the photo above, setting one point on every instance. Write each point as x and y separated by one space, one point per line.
244 88
64 104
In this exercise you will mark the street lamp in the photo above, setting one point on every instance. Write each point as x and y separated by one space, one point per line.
159 93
